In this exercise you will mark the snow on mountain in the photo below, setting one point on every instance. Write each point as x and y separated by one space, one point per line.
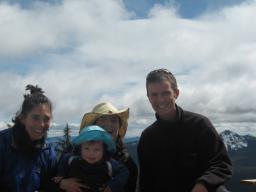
233 141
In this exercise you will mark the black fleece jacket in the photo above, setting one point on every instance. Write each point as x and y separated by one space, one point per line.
174 156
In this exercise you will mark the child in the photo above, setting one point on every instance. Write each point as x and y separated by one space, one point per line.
94 167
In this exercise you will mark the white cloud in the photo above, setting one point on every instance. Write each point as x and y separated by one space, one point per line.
85 52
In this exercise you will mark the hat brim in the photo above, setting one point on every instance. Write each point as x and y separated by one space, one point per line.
90 118
95 135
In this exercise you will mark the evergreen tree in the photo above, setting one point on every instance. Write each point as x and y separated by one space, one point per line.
64 144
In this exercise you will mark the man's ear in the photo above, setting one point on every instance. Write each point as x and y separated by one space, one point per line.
176 93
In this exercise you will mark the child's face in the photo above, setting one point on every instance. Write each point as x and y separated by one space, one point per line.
92 152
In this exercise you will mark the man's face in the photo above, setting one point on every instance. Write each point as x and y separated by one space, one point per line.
162 98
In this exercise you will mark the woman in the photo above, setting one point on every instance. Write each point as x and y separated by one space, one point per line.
113 121
27 163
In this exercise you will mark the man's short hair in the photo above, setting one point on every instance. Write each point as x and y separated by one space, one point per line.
160 75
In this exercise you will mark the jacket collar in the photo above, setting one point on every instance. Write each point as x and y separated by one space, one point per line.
177 117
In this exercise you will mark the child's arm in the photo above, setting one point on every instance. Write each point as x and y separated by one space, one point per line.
64 183
107 189
120 176
62 167
57 179
72 185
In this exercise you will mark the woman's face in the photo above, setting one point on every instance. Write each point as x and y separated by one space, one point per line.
92 152
111 123
37 121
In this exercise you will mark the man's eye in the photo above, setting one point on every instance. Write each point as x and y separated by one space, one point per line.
153 95
166 93
35 117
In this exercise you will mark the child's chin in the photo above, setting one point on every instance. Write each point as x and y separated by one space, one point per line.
92 161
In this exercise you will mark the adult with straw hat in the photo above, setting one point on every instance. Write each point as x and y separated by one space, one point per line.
105 111
115 122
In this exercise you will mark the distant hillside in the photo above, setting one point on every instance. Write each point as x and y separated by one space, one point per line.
242 150
131 145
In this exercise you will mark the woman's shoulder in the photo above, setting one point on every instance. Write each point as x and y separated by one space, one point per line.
48 153
5 132
5 137
129 163
115 162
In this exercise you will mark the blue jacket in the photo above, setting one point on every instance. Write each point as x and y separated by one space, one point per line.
20 172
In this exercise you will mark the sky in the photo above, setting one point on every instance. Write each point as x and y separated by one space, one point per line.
83 52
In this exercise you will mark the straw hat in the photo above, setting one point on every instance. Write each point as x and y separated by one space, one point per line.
106 108
95 133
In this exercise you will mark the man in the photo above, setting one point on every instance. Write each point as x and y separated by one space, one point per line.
181 151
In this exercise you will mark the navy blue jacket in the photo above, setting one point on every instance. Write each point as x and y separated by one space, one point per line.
20 172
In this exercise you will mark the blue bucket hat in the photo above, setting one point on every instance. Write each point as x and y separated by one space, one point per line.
95 133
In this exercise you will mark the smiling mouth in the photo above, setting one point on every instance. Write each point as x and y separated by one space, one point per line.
39 132
163 106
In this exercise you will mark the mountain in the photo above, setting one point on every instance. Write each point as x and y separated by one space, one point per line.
131 146
241 149
233 141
